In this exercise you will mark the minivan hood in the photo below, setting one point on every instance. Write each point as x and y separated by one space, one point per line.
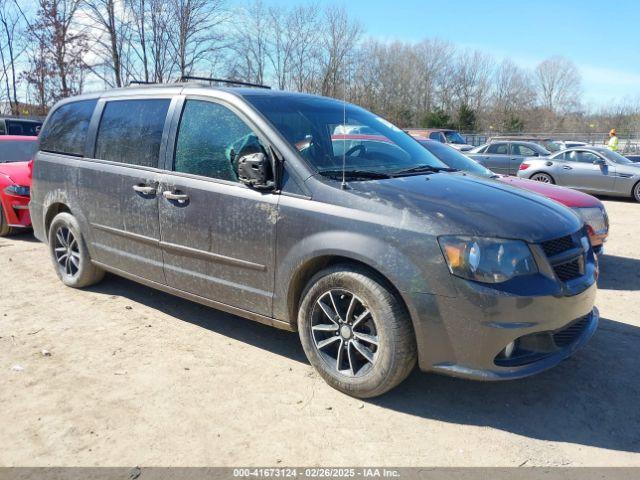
455 203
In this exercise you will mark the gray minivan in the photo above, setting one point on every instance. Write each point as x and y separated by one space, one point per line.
249 200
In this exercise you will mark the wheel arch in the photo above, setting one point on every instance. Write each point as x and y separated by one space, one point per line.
546 173
52 210
302 276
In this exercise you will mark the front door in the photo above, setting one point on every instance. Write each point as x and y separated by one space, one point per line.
118 187
496 158
217 234
582 173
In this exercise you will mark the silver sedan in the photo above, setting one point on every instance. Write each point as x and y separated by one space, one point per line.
590 169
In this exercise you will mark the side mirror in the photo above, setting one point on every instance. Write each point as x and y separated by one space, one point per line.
255 171
599 161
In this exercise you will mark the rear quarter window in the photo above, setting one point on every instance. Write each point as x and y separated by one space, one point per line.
66 130
131 131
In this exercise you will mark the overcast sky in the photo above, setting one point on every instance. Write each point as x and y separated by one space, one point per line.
601 37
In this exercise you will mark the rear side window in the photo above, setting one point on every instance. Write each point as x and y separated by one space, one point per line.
131 131
66 130
523 150
498 148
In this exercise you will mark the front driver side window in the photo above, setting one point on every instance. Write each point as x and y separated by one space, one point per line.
587 157
211 138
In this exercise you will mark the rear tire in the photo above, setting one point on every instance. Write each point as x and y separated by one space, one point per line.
5 229
542 177
358 353
636 192
70 255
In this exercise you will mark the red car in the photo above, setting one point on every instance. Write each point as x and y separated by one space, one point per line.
16 154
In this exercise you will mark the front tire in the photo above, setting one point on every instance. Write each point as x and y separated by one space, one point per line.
356 332
69 253
5 229
542 177
636 192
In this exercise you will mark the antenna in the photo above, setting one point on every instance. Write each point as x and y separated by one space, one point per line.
344 148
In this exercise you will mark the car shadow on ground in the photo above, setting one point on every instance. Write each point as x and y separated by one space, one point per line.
589 399
24 236
619 273
277 341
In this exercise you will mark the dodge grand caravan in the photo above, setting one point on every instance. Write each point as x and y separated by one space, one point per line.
250 201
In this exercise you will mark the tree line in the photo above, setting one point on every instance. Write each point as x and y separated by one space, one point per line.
57 48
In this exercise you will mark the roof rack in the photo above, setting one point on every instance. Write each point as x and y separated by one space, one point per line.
186 78
140 82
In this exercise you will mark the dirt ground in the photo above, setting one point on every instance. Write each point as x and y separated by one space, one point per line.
137 377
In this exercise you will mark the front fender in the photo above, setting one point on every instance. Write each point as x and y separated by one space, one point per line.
405 273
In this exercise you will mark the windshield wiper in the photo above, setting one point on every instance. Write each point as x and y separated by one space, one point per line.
367 174
424 168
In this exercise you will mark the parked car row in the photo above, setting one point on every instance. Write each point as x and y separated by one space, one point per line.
591 169
314 216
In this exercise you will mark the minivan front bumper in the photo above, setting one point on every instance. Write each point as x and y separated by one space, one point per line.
466 335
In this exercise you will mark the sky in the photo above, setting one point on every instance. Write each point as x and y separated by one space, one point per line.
601 37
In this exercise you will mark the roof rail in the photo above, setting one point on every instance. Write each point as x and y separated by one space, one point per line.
140 82
186 78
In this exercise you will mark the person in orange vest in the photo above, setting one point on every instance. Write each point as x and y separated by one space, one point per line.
613 140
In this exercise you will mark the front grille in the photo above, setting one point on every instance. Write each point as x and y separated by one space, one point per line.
558 245
557 251
568 271
568 335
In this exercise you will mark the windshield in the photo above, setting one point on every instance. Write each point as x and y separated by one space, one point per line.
454 159
615 157
17 151
327 132
454 137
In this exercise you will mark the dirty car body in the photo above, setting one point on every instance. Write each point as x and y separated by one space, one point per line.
256 248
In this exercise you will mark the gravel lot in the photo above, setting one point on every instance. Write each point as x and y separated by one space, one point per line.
137 377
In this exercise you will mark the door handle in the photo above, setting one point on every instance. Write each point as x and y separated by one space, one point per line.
178 197
145 189
567 167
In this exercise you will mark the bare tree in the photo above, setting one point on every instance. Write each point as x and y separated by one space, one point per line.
513 95
249 43
11 49
138 10
111 34
559 85
196 36
304 25
64 41
339 40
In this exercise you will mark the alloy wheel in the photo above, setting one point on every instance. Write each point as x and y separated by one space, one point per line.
67 251
636 192
541 177
344 332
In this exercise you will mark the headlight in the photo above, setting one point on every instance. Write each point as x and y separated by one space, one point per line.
594 217
18 190
487 260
